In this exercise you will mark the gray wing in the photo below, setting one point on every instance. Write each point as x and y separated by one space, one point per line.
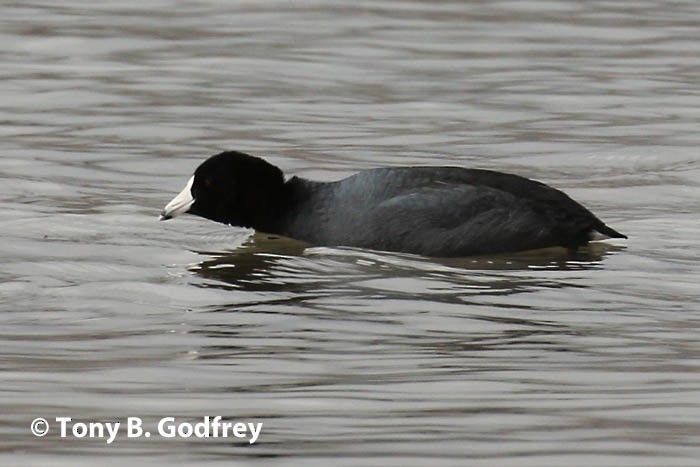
446 219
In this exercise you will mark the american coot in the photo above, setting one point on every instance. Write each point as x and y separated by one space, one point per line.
432 211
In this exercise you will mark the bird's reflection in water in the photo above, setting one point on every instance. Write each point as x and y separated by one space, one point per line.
322 290
273 263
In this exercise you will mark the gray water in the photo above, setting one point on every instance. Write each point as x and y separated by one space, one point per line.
348 357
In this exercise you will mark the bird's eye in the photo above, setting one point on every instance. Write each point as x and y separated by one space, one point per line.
207 183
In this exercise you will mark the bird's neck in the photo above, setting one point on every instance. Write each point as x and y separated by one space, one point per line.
295 198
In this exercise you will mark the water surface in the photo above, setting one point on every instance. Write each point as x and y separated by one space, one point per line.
346 356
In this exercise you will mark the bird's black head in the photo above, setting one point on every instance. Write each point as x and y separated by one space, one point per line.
231 188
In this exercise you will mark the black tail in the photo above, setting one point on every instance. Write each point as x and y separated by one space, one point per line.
605 230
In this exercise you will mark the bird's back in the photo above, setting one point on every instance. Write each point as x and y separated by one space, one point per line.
441 211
